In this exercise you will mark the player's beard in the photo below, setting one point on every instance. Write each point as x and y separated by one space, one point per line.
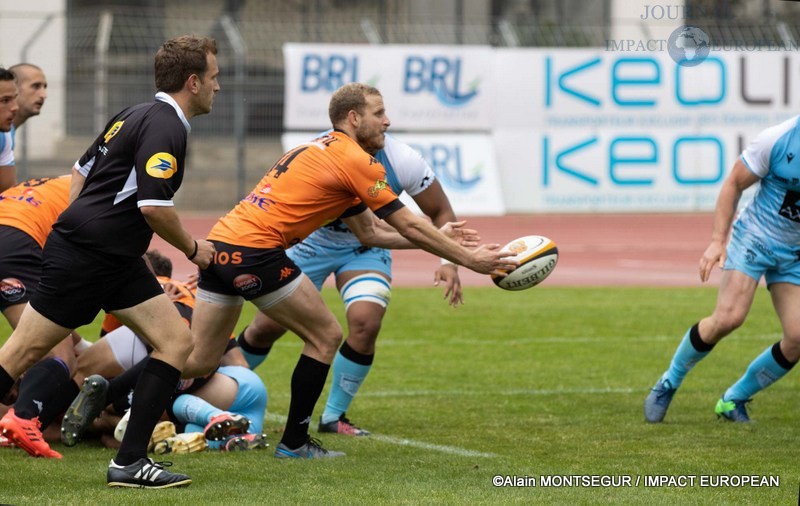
370 142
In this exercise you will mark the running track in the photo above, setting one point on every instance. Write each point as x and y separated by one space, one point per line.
594 250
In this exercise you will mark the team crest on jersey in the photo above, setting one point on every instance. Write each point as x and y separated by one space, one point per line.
379 185
114 130
12 289
162 166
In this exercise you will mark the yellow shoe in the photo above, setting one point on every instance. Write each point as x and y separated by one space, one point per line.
196 441
162 431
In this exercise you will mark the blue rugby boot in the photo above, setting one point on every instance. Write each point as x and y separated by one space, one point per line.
656 404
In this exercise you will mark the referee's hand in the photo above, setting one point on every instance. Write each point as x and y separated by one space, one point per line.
205 253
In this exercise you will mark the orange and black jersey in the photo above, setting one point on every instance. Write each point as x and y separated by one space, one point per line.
311 185
137 161
34 205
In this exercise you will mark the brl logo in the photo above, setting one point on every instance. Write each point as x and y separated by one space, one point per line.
446 162
330 72
440 76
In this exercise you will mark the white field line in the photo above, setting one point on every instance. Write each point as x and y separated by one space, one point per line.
514 392
398 441
562 339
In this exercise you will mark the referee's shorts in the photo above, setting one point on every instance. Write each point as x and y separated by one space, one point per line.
77 282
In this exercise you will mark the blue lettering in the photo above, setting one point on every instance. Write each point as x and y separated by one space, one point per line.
440 68
684 179
696 84
414 81
562 82
560 166
446 164
440 76
618 81
328 73
615 160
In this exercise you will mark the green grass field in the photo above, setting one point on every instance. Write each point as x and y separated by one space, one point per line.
545 382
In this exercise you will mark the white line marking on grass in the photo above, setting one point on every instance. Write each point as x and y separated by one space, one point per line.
451 450
560 339
463 393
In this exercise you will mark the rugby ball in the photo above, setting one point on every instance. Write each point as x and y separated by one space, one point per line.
537 257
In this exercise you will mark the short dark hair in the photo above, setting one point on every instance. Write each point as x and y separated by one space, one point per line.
162 266
181 57
6 75
349 97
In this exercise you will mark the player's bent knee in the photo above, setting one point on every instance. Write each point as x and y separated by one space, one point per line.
328 339
263 331
372 288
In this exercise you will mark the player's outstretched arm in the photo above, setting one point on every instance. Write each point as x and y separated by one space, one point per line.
165 222
373 232
485 259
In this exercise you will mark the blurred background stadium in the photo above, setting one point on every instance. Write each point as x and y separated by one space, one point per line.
579 106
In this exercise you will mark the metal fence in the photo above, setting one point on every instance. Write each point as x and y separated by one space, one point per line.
109 50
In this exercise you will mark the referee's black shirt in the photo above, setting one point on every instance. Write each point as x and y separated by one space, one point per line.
138 161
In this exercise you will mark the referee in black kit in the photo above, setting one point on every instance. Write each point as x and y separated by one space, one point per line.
121 192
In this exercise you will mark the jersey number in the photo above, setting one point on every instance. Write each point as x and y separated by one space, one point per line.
282 165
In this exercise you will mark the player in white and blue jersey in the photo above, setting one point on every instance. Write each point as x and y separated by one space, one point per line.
363 278
8 110
30 90
765 241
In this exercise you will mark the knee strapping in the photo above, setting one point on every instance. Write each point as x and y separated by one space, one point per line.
367 288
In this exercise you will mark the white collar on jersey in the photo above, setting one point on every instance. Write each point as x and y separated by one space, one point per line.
163 97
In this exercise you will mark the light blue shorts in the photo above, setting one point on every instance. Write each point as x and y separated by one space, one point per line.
318 262
757 256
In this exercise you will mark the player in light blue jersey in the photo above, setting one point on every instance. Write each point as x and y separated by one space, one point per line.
765 241
363 277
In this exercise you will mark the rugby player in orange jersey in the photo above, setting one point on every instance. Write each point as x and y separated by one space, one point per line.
331 177
27 213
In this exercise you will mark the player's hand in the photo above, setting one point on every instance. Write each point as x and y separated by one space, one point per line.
466 237
489 259
205 253
10 283
452 283
173 292
714 255
191 281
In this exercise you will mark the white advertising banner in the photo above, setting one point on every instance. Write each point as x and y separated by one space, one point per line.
573 130
594 130
464 164
424 87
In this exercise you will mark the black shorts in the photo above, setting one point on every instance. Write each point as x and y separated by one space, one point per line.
247 272
20 266
77 282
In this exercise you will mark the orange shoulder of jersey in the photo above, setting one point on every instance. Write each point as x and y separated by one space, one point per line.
33 206
309 186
